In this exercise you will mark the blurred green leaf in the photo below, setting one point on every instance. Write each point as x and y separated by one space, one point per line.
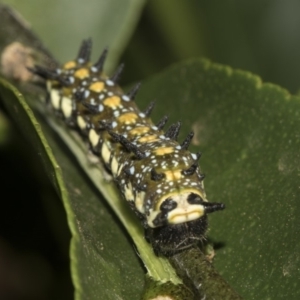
258 36
63 24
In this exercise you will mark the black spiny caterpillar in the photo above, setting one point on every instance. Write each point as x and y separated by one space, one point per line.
158 177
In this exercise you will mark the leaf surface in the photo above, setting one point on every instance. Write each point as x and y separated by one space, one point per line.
248 132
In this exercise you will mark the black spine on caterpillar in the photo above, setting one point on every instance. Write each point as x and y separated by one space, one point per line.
185 144
173 131
132 93
149 109
84 52
158 176
98 66
117 75
162 122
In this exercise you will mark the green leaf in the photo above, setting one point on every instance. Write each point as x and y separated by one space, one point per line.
103 262
248 132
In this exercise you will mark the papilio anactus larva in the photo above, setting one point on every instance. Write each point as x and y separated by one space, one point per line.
158 176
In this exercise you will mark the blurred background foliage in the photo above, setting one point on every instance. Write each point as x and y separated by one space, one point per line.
261 36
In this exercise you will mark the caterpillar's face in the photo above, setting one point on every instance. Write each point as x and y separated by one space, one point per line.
177 208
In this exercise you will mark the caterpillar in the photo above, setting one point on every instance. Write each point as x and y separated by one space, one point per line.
158 176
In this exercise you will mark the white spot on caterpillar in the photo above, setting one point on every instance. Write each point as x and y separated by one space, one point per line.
66 107
80 60
86 93
194 156
116 113
71 79
125 98
109 82
100 107
94 137
131 170
94 69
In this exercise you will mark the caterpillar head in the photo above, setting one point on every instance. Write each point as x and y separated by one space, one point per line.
180 222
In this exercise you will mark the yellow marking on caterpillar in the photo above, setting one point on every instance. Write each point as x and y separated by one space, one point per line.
81 122
69 65
128 118
139 201
149 139
173 175
139 130
163 150
112 102
94 137
66 107
120 169
105 153
55 98
82 73
185 215
97 87
128 193
114 166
